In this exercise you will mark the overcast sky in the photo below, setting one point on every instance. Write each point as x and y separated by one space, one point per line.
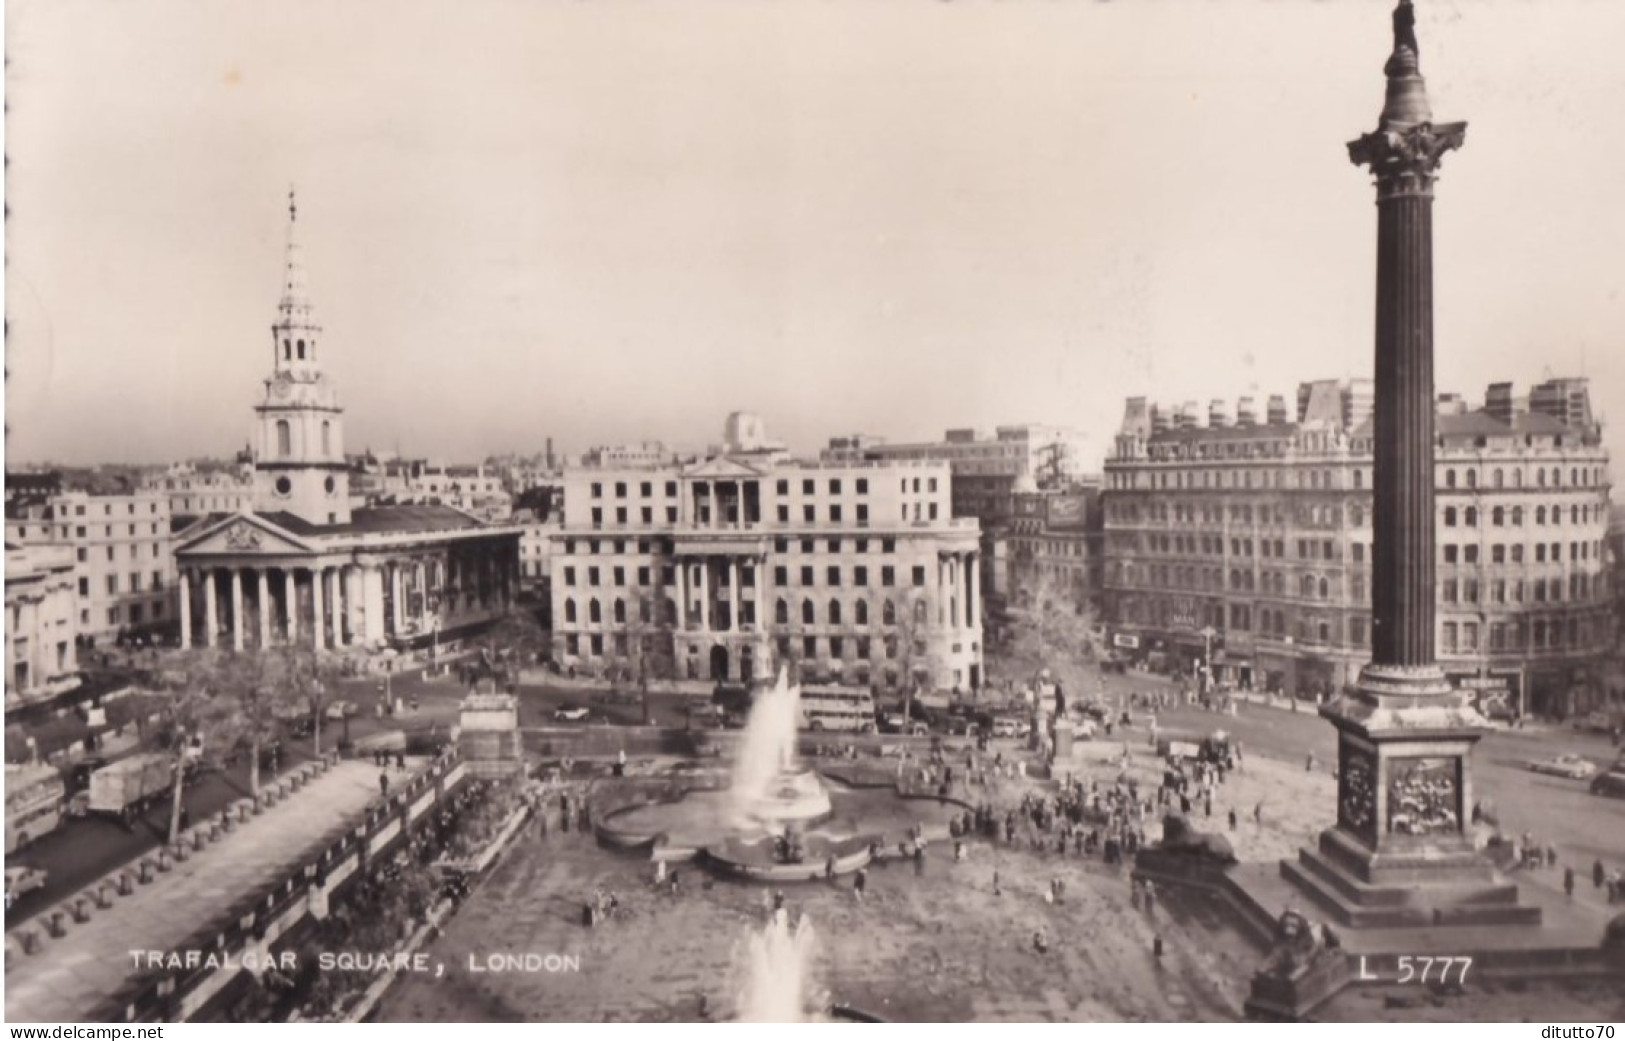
612 221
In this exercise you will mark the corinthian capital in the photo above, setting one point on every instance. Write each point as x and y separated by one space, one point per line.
1407 154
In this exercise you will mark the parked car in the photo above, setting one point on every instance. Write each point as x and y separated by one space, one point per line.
22 879
341 709
1597 722
963 726
570 712
1565 765
1006 728
1611 782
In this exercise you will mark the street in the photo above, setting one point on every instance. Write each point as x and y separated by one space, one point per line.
1582 826
84 849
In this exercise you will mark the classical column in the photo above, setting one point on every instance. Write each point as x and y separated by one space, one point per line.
682 594
318 618
336 577
735 572
372 578
1404 154
423 597
263 590
395 613
290 605
236 609
356 608
705 593
186 608
211 609
973 584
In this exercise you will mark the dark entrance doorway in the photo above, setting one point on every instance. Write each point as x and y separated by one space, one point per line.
719 663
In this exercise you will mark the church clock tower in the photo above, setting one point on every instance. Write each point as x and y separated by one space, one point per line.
299 463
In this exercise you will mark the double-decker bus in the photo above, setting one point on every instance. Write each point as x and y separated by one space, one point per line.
849 709
34 797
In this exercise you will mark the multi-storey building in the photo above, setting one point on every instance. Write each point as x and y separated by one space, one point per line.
857 570
1054 544
41 622
1249 542
613 457
193 492
987 471
122 549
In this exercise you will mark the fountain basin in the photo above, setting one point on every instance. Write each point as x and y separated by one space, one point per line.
704 825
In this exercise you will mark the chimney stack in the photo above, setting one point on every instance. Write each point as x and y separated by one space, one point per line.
1159 420
1246 413
1218 413
1277 410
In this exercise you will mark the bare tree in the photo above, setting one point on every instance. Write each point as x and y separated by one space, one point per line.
254 688
192 716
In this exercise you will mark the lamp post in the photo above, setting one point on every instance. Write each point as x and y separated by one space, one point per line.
1208 633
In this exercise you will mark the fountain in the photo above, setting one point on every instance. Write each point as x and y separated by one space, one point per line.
777 972
769 788
771 817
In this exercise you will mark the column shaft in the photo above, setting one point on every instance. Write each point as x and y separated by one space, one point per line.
211 608
263 591
236 609
318 617
186 608
1403 481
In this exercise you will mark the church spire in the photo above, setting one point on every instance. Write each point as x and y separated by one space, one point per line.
295 334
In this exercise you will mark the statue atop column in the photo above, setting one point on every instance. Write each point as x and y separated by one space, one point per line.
1405 29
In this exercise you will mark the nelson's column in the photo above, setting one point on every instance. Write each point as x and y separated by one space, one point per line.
1400 852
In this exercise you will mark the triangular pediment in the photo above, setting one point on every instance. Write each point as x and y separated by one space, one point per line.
723 468
242 534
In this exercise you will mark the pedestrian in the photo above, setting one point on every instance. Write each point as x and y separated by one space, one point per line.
186 816
1150 898
1258 814
1208 805
860 882
1596 874
1232 820
1568 882
1551 855
383 784
400 760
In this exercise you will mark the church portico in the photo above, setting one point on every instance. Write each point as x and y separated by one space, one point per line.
341 596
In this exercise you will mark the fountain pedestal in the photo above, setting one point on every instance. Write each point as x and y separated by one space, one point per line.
793 797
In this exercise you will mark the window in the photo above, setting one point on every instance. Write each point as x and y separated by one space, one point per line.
592 575
888 613
834 613
919 574
808 616
861 612
1449 553
833 573
835 513
284 438
620 611
597 490
863 486
569 610
807 486
1450 515
1471 551
781 575
595 613
806 574
781 613
888 575
1470 518
809 513
860 576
